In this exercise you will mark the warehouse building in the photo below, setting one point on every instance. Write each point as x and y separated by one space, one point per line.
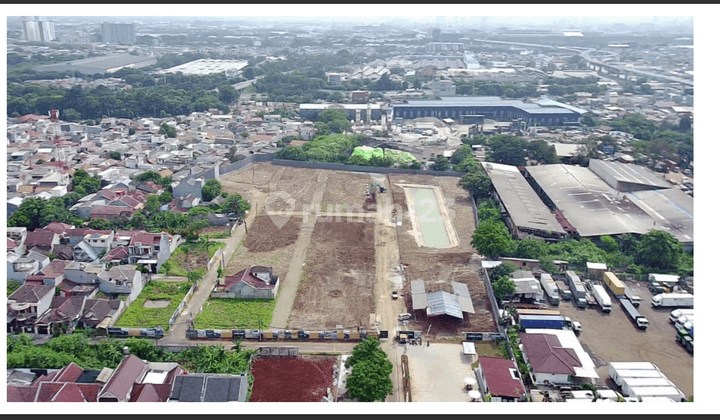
205 67
101 65
532 114
592 207
524 212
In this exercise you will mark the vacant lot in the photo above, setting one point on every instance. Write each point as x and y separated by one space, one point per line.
345 190
226 314
138 315
190 256
437 373
292 379
336 287
300 183
265 235
613 337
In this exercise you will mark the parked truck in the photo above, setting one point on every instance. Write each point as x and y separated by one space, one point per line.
685 319
541 321
618 288
564 290
548 284
578 290
677 313
602 298
634 315
673 300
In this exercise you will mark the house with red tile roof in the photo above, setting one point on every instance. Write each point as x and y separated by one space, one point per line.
500 379
548 360
64 313
26 304
149 249
42 240
111 212
252 283
132 376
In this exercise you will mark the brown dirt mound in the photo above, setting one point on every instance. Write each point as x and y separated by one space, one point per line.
291 379
264 235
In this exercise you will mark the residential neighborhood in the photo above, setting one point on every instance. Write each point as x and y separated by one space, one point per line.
470 209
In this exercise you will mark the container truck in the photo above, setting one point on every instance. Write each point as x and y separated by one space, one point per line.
634 315
548 284
602 298
677 313
578 290
673 300
541 321
564 290
614 284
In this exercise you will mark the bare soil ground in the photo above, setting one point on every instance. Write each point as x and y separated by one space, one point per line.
613 337
300 183
267 245
209 230
345 190
250 179
292 379
437 271
264 235
337 285
439 267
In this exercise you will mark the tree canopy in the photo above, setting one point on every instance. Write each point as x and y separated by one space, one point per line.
369 379
476 183
211 189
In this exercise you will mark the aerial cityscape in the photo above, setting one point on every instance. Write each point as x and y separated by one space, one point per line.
464 209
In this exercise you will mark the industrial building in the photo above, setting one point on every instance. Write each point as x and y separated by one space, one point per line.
204 67
355 112
610 198
440 302
101 65
122 33
524 212
532 114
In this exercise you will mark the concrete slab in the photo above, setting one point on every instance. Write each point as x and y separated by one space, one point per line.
437 372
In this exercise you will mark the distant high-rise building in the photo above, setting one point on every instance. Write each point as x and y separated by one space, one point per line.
122 33
436 34
36 28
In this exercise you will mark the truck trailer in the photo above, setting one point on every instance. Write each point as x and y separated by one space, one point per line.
548 284
603 299
614 284
577 289
677 313
564 290
541 321
673 300
639 320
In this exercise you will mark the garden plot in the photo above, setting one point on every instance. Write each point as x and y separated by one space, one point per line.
227 314
140 315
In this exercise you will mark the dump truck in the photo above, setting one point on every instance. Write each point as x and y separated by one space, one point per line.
634 315
673 300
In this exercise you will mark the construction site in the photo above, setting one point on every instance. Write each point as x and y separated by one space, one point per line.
342 242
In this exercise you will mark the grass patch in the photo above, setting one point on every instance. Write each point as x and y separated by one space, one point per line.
488 349
192 255
217 235
222 313
139 316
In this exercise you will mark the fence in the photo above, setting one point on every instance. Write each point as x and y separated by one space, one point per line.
218 170
214 259
182 305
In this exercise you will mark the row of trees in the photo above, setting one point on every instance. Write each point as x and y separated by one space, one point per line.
487 88
64 349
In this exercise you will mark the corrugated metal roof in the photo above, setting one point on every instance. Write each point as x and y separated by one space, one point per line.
443 303
419 301
417 287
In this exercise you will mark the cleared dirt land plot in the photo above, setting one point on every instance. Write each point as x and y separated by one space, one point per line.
253 177
299 183
292 379
458 203
345 189
264 234
336 287
437 271
614 338
260 249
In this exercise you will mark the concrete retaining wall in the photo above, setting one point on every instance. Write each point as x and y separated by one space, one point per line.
356 168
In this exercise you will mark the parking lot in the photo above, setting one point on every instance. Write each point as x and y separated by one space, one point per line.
437 372
613 337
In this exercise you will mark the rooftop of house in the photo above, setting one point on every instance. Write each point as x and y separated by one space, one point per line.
500 378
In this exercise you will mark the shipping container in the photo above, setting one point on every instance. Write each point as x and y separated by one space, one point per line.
614 284
541 321
548 284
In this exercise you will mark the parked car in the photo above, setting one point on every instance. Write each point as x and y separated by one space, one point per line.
394 294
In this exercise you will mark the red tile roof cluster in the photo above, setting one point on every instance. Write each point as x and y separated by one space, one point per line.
146 238
546 355
56 387
40 237
500 381
245 276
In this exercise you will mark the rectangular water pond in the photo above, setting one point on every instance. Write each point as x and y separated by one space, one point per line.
427 213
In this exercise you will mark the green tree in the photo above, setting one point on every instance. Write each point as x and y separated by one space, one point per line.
464 152
609 244
502 270
659 249
369 379
29 214
685 124
152 204
211 189
503 288
236 204
115 155
476 183
70 115
100 224
508 150
492 239
542 152
531 248
194 276
441 164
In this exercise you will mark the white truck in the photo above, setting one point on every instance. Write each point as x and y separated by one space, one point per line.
673 300
677 313
548 284
603 299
